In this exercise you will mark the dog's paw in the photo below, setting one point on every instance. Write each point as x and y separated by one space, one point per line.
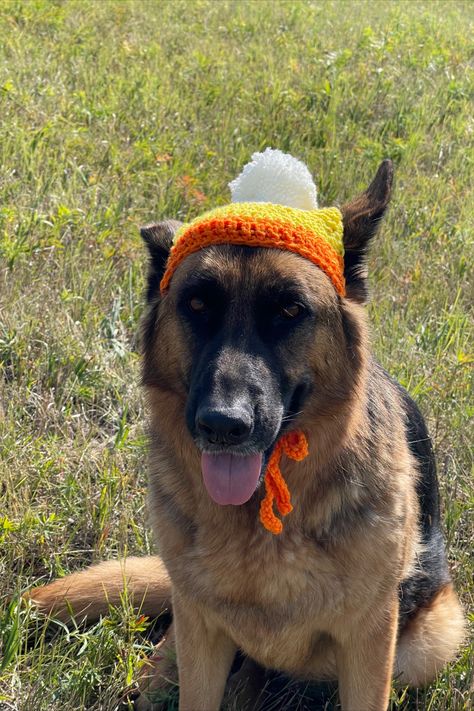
145 698
142 703
158 679
245 687
156 699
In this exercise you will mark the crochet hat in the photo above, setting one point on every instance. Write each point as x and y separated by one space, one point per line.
273 205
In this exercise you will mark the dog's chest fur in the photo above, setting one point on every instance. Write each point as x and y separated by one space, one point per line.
262 588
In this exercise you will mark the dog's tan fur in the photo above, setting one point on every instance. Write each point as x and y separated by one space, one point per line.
428 642
321 600
144 579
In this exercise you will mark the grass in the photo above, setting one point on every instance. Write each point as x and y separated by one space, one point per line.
117 113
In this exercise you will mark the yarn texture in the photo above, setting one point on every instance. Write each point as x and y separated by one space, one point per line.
295 446
313 234
274 176
274 204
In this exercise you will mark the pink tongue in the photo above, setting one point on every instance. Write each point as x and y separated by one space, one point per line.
230 479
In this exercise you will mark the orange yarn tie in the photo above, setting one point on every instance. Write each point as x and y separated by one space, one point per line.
295 446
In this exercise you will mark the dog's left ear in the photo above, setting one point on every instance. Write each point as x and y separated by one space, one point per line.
158 237
361 218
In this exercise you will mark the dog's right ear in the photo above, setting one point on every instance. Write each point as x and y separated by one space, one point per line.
158 237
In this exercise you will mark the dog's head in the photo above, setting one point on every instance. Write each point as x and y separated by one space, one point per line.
251 339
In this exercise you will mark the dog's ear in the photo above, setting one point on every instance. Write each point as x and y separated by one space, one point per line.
158 237
361 218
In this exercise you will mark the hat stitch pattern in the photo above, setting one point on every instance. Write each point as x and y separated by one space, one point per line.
326 220
314 234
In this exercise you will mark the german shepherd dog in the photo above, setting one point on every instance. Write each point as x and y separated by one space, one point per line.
247 344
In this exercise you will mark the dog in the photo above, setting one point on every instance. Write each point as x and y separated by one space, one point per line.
246 345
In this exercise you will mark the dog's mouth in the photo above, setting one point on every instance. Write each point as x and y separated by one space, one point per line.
232 473
231 478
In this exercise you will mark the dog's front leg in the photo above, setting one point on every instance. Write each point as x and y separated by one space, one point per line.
205 654
365 663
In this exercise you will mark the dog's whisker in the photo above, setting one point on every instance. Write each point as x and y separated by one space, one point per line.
292 416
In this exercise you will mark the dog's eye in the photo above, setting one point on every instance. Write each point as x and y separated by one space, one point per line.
291 310
196 304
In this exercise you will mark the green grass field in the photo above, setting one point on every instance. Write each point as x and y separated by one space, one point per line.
113 114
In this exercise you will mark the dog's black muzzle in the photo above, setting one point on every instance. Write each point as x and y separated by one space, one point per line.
234 403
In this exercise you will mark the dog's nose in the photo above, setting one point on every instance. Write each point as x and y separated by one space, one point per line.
219 427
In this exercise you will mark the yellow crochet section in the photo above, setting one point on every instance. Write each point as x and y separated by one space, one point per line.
326 223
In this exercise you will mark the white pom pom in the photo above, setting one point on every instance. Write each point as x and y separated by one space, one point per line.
277 177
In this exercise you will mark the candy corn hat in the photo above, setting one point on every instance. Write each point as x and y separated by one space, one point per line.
274 205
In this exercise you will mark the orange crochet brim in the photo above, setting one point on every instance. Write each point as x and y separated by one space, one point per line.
253 232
